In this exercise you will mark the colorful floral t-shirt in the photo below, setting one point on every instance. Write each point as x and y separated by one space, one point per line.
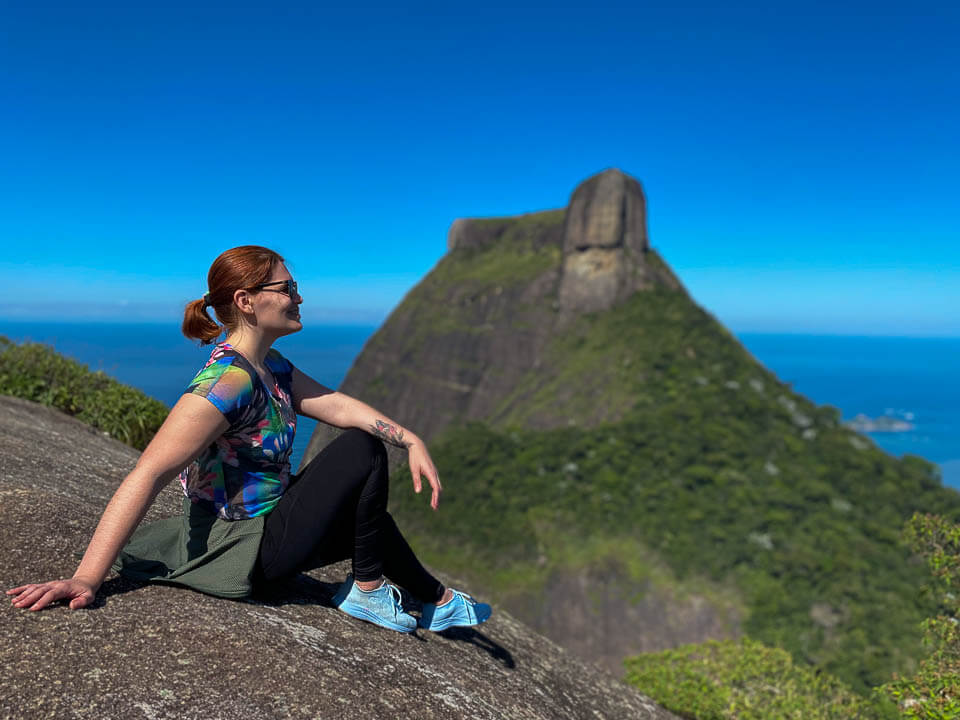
244 472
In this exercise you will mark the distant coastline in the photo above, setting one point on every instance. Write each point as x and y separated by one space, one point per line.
884 423
905 379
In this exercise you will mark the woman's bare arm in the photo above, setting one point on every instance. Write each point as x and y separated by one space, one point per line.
192 425
314 400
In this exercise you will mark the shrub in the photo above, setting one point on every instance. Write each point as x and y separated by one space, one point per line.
746 680
933 693
37 372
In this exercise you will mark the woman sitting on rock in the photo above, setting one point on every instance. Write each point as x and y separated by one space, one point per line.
246 520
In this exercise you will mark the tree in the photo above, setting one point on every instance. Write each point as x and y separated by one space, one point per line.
933 693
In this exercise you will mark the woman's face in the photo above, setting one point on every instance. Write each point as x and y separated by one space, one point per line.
276 311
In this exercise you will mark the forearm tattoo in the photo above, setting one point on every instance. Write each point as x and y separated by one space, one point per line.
389 433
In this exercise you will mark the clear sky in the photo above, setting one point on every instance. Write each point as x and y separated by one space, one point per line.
800 159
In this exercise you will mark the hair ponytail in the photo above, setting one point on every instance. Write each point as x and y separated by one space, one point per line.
197 324
235 269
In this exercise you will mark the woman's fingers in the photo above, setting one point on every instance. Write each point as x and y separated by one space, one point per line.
23 592
31 595
421 465
435 486
50 596
38 596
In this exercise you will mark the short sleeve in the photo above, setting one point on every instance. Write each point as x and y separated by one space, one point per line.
227 386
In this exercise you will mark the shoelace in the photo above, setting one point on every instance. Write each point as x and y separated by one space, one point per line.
397 596
465 597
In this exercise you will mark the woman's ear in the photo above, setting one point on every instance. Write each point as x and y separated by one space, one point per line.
243 300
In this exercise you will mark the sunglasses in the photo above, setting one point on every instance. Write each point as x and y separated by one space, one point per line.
290 289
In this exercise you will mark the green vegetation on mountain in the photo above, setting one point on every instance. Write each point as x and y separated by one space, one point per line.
37 372
932 692
747 680
657 346
474 275
717 468
516 255
622 474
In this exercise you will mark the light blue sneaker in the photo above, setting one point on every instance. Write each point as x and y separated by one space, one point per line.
381 606
461 611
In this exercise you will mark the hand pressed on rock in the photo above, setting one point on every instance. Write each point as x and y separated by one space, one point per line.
37 596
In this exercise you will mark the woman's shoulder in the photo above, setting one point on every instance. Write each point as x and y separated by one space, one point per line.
227 379
223 356
225 362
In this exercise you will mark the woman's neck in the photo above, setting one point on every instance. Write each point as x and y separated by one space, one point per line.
252 345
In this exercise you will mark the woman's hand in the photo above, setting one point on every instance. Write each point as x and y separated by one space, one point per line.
36 596
421 464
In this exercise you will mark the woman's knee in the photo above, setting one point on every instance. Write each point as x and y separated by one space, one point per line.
352 457
364 443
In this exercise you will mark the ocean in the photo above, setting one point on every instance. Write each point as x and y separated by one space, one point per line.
910 379
161 362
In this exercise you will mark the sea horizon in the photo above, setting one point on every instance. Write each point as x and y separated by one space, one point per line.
313 323
905 378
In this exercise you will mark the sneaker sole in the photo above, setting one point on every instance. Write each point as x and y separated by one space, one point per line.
361 613
451 622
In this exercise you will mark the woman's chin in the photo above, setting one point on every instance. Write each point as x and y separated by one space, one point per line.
292 326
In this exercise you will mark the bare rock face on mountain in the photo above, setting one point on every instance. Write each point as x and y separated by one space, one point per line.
474 339
604 244
164 652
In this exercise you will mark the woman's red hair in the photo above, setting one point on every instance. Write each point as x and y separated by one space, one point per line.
235 269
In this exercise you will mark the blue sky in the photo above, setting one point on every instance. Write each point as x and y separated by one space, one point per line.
799 159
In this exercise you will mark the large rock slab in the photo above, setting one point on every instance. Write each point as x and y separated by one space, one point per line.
163 652
604 243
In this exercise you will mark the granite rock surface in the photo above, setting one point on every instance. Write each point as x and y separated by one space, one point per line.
155 652
605 244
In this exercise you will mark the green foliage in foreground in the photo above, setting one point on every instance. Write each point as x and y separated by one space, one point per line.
746 680
37 372
933 692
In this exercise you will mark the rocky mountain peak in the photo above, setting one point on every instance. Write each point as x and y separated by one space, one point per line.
607 210
605 243
475 336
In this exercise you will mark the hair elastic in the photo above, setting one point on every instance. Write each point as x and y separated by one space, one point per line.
206 301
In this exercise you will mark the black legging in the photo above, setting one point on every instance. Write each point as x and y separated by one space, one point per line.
336 508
